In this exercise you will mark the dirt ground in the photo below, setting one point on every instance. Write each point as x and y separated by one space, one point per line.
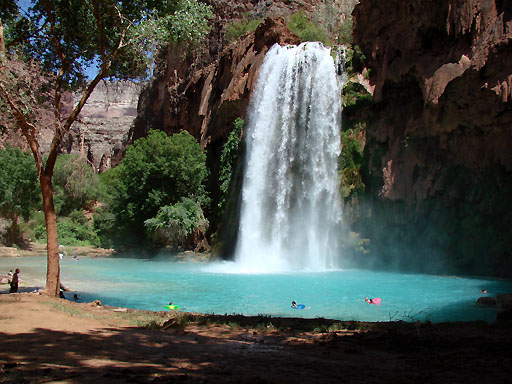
49 340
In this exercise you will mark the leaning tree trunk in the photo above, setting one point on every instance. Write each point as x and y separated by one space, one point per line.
52 242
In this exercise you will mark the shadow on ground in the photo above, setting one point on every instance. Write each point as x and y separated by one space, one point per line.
385 353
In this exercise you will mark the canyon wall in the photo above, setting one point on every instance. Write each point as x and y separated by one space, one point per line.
102 129
103 126
438 158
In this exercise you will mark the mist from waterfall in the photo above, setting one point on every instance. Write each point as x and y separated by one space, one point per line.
291 209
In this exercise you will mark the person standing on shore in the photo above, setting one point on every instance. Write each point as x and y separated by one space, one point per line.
14 281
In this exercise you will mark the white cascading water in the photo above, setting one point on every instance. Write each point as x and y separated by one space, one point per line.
291 211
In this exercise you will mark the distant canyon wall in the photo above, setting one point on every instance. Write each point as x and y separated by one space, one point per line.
101 132
438 156
102 129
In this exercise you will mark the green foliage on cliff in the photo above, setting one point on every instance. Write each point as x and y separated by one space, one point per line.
335 20
300 24
354 94
350 163
228 159
238 28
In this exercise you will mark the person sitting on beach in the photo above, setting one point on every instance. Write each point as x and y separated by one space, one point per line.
14 281
294 304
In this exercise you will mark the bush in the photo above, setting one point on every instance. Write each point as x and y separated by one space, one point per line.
174 224
228 159
75 183
350 163
19 189
239 28
72 230
300 24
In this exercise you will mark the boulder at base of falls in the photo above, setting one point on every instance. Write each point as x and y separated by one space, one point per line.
486 301
504 301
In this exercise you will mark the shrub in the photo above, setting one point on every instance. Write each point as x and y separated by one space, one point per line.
350 163
300 24
175 223
72 230
228 159
75 183
237 29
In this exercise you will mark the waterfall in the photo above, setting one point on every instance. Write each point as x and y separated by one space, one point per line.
291 210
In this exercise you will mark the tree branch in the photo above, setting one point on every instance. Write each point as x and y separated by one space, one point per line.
28 130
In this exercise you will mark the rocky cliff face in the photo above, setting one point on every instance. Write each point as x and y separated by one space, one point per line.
101 131
439 164
104 123
204 94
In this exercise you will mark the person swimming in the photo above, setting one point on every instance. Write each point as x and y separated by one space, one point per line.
375 300
294 304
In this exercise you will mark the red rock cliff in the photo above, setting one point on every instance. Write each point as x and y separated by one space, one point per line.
207 101
438 142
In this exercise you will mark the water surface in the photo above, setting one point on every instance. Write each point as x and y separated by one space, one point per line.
195 287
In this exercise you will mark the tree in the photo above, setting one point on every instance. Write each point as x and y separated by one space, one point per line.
75 183
158 171
63 39
19 193
175 224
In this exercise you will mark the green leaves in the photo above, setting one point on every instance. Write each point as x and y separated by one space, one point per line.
228 159
75 183
159 171
19 189
174 223
189 23
300 24
69 36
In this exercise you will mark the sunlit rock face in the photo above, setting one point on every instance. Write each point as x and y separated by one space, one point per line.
101 131
439 163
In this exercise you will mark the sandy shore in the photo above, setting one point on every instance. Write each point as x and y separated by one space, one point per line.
37 249
46 340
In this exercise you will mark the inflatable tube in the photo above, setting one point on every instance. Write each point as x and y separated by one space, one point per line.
299 306
171 306
376 301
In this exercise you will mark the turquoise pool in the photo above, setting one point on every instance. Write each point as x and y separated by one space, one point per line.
217 288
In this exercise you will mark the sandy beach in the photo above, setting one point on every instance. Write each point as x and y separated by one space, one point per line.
50 340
